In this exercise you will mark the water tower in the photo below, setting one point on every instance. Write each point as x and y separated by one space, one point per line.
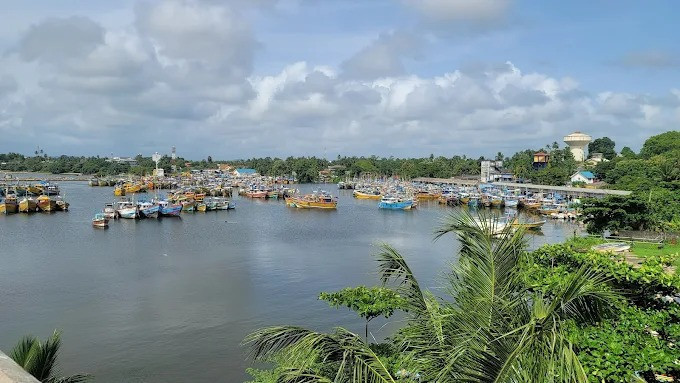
577 142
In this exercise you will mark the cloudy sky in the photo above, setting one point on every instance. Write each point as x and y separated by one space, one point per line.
242 78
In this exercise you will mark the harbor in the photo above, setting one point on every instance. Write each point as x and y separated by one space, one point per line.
211 276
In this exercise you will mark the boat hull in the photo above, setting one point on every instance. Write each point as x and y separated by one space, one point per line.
404 205
8 207
360 195
170 211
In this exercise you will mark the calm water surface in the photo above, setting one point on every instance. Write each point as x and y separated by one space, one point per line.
170 300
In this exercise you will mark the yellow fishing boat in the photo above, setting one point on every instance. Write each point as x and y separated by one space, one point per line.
201 207
46 203
364 195
132 188
9 205
28 205
316 201
35 189
119 191
427 196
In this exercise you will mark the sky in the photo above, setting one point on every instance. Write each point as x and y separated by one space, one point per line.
253 78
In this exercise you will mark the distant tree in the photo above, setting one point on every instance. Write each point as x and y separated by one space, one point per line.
627 152
603 145
616 213
500 156
210 159
661 143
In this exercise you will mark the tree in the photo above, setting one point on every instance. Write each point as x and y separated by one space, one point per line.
628 153
616 213
491 329
40 359
603 145
661 143
368 302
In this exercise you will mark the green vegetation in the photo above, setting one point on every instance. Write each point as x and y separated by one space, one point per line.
368 302
603 145
40 359
489 327
653 177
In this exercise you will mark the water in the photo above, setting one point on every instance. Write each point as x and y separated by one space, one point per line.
170 300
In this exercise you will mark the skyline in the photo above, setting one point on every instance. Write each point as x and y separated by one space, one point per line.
402 78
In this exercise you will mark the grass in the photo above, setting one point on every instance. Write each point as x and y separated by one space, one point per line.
639 249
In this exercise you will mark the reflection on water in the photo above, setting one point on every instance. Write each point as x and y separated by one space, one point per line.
170 299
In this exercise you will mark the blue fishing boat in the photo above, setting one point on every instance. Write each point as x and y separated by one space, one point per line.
166 209
394 203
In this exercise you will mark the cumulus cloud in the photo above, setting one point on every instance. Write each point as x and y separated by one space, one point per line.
181 73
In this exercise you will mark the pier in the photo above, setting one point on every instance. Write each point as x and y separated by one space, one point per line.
535 188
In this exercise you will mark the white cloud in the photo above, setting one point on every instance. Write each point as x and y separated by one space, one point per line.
461 10
181 74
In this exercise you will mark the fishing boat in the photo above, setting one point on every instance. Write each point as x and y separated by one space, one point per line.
548 209
202 207
61 204
28 205
511 202
535 225
46 204
9 205
167 209
222 203
531 203
290 201
273 194
109 211
317 201
100 221
188 205
256 193
147 209
119 191
127 210
358 194
394 203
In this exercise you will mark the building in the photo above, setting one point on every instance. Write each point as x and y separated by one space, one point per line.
244 172
577 143
541 159
583 176
160 172
493 171
596 158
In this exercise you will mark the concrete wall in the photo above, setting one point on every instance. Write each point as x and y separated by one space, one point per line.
10 372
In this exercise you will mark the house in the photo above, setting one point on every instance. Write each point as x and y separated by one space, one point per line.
244 172
583 176
123 160
596 158
541 159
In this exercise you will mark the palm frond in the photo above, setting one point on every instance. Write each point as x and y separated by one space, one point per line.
23 351
392 268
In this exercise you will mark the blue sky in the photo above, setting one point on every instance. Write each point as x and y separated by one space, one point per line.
246 78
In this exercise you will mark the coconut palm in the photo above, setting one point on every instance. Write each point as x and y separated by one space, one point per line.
40 358
491 329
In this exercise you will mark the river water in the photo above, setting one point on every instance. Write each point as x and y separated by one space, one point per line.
170 300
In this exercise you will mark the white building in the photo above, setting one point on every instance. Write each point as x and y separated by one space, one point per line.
583 176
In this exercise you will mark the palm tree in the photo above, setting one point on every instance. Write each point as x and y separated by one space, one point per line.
39 359
491 330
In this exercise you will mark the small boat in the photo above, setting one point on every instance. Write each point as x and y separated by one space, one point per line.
202 207
394 203
511 202
28 205
188 205
109 211
535 225
256 193
290 201
223 204
273 194
367 194
119 191
61 204
614 247
100 220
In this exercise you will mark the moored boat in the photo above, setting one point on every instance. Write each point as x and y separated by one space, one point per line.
100 221
359 194
9 205
317 201
394 203
167 209
28 205
46 204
